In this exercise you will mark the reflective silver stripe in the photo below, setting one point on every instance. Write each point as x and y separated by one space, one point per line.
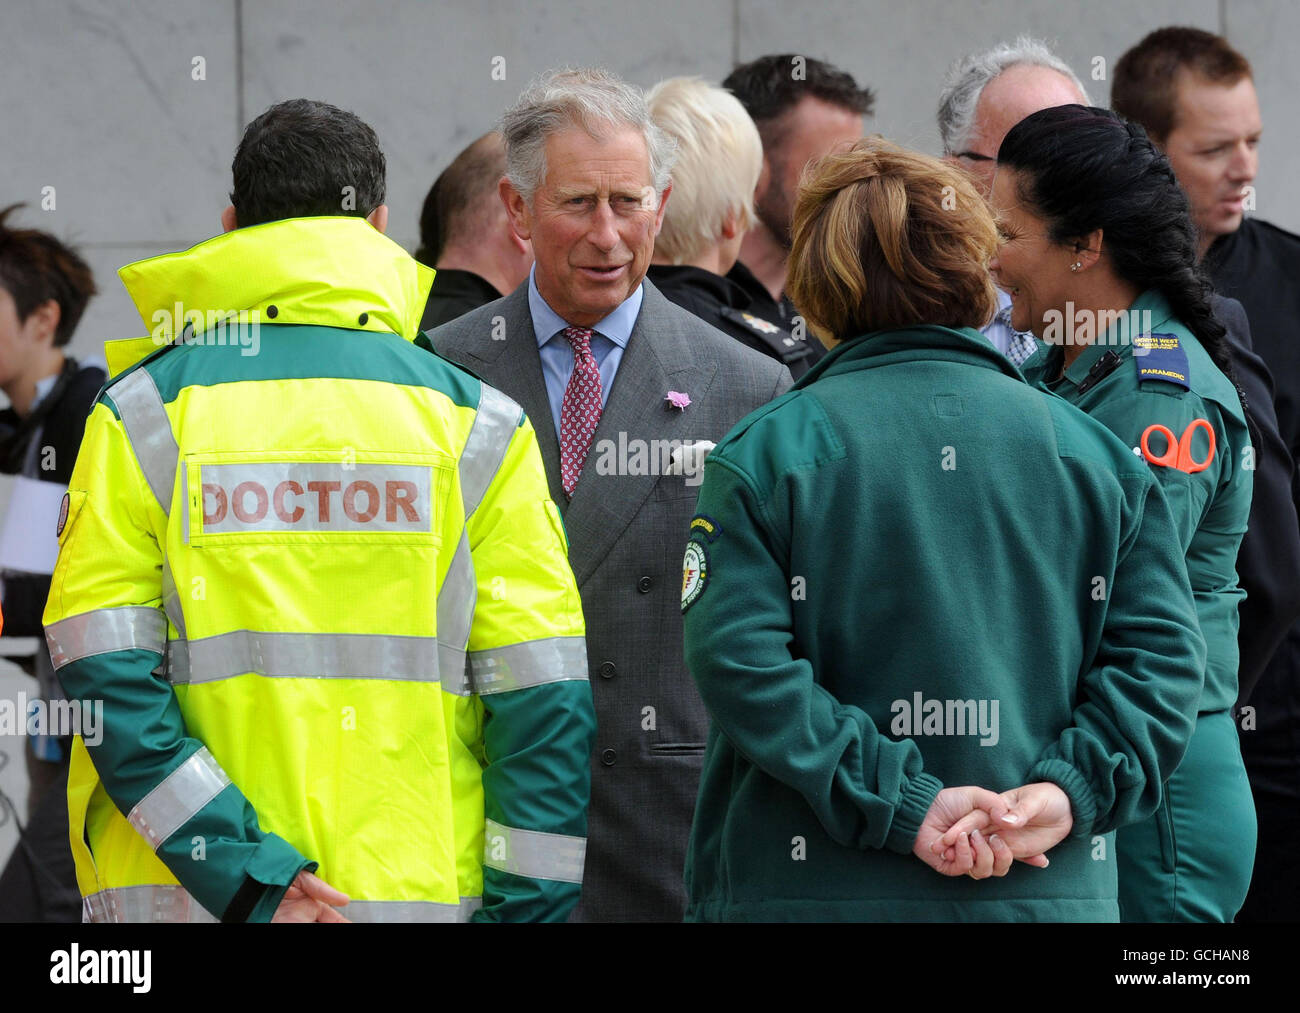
410 910
170 903
486 445
534 854
140 407
530 664
303 655
177 662
126 628
453 665
154 903
456 600
171 598
182 793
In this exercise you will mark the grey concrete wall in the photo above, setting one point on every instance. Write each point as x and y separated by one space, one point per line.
101 100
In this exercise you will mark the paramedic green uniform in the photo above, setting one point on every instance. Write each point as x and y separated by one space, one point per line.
1192 860
915 570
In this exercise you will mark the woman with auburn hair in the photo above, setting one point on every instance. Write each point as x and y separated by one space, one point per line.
1096 229
890 586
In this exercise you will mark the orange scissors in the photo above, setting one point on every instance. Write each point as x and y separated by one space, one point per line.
1179 453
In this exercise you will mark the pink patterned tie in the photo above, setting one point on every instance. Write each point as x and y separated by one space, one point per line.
580 410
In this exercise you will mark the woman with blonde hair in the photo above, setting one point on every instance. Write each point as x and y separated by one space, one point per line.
719 162
891 586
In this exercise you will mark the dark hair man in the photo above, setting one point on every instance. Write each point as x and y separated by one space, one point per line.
804 108
1195 95
466 236
281 565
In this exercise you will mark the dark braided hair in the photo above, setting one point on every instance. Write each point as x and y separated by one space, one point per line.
1086 168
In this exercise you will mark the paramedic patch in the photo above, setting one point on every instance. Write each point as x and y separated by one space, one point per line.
1161 357
695 572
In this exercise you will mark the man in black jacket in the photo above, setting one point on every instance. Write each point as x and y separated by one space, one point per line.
804 109
466 237
1195 96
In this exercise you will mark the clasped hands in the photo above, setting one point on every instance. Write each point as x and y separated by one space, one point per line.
974 832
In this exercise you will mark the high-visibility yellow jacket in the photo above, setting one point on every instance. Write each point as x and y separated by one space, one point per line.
314 578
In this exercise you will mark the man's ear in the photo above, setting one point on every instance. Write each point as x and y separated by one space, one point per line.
517 210
379 218
228 221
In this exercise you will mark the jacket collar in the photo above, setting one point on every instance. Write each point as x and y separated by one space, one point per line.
1118 338
926 341
328 271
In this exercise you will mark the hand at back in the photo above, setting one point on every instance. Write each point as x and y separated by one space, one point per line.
971 831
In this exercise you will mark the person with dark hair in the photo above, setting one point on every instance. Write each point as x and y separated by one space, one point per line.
825 659
44 288
1099 257
1195 96
803 108
279 554
465 235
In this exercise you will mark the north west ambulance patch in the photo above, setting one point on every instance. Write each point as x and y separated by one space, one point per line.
1161 357
695 573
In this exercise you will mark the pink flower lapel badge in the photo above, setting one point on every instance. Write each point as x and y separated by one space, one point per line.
676 399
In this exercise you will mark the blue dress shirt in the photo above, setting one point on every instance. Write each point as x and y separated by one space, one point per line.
1017 346
607 344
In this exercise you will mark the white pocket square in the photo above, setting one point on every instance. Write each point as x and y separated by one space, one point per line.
688 459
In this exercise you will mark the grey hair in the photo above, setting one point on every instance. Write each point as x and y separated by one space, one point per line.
969 76
591 98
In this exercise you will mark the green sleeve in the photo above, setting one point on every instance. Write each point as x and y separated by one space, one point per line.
220 851
1137 702
867 790
536 786
539 725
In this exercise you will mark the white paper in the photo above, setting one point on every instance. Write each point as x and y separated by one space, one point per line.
30 541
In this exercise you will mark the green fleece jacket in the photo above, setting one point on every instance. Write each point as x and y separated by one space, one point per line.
915 570
1172 381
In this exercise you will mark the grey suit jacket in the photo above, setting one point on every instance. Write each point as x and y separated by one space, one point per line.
627 535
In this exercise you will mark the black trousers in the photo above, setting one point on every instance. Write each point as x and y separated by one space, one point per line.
1272 754
40 882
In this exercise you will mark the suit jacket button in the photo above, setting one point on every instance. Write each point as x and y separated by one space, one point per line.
643 585
608 670
607 757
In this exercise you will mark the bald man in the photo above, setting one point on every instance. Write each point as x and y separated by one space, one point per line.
984 96
466 237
